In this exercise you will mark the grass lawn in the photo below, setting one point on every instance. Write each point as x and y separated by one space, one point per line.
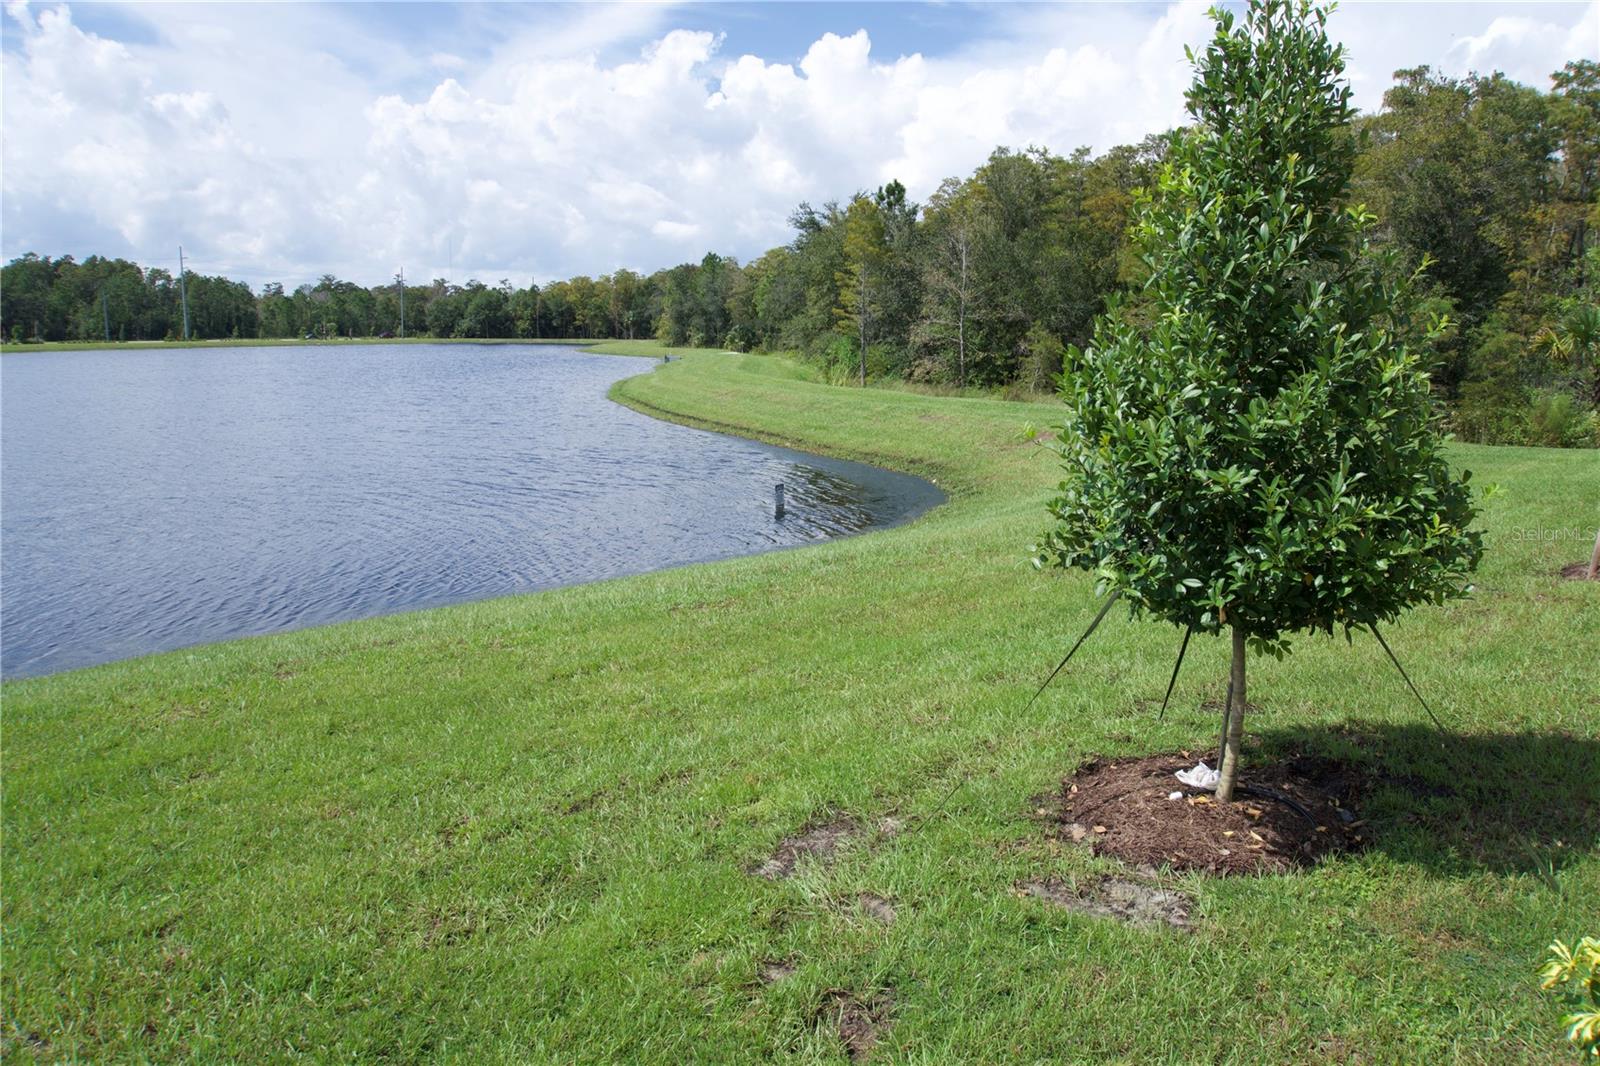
521 830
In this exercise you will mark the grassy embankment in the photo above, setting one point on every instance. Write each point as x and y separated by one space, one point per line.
519 830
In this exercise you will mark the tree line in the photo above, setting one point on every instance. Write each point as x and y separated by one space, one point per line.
1489 186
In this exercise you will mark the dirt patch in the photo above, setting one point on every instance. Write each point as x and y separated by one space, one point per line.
859 1022
877 907
1285 814
771 971
1115 897
819 840
1578 572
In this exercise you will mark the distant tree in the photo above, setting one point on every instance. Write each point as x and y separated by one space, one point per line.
676 322
486 313
1261 457
25 288
816 266
1454 170
710 299
865 255
951 282
900 288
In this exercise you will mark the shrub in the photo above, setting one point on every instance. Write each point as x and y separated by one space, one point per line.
1574 975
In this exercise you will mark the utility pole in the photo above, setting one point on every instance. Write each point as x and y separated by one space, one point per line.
183 293
401 279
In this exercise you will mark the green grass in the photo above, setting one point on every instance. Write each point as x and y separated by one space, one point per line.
518 830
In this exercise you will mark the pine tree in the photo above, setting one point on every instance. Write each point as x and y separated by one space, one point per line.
1260 455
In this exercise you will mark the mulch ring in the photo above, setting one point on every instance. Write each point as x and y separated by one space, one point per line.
1577 572
1285 815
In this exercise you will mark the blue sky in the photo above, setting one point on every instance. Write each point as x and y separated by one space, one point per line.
280 142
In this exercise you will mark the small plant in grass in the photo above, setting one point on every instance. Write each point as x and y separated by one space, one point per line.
1261 455
1574 974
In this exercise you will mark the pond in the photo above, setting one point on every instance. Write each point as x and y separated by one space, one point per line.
156 499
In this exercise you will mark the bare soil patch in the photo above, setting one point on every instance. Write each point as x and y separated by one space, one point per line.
877 907
1115 897
1578 572
1285 814
819 840
859 1022
771 971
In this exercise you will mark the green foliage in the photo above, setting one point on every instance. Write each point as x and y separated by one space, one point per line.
861 278
1574 975
1043 359
1263 454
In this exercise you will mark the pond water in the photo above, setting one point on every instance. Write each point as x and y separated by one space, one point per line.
156 499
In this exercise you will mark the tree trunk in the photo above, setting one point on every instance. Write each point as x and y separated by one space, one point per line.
1233 735
961 347
861 313
1594 560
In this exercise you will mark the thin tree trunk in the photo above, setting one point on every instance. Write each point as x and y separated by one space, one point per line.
1234 735
961 322
1594 560
861 312
961 346
863 355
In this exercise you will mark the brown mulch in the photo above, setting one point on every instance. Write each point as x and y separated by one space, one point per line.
1285 814
1577 572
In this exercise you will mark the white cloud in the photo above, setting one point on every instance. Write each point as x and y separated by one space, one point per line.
240 133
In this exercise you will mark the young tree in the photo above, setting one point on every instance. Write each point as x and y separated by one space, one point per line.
1261 457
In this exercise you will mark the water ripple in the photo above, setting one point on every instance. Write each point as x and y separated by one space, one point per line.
156 499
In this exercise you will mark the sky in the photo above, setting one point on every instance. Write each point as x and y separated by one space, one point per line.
280 141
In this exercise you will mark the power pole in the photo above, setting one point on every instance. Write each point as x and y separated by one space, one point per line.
402 281
183 293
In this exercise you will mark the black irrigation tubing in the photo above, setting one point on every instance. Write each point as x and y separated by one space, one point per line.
1271 794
